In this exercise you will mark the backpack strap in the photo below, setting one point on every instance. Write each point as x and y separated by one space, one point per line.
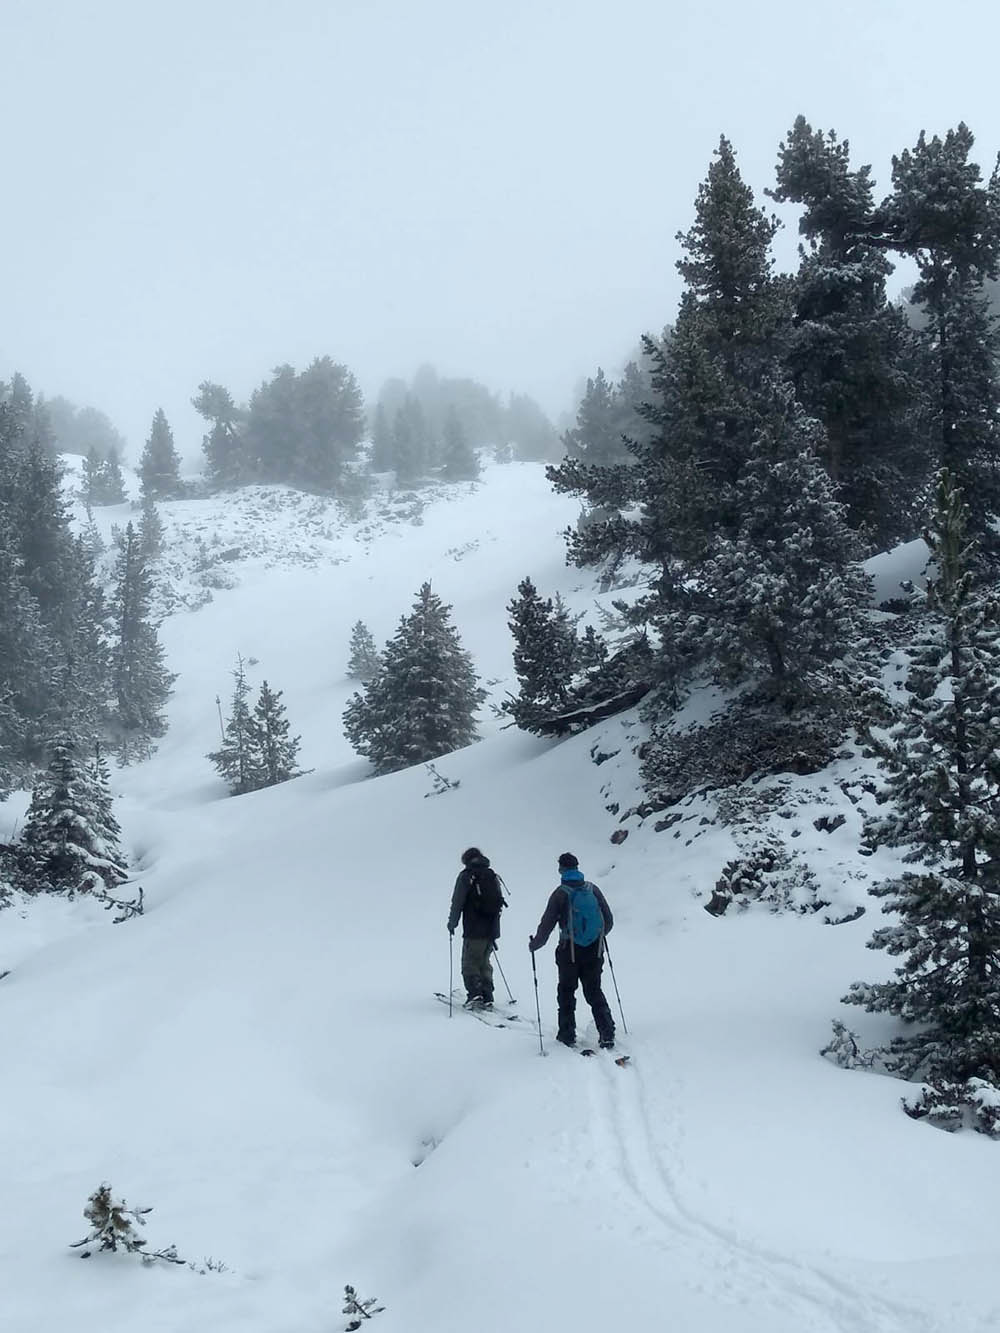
569 918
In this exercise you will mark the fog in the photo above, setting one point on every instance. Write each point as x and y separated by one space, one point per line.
207 190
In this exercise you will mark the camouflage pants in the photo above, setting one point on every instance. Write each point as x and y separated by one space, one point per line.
476 970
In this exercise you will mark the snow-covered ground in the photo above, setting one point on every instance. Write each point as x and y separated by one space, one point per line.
261 1059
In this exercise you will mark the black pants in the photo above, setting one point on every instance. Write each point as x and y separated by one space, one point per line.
586 969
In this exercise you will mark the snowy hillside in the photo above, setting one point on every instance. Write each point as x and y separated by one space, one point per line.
261 1059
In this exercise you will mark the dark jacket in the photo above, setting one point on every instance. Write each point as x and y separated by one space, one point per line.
557 914
476 925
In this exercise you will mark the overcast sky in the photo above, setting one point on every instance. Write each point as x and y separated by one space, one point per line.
206 190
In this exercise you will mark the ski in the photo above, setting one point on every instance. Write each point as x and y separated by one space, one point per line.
493 1018
620 1060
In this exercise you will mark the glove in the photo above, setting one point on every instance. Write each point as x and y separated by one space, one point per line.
451 930
531 943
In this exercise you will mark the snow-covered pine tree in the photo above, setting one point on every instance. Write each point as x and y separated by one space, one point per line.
159 466
943 785
459 461
852 355
82 694
112 1224
28 665
781 598
272 750
150 530
422 702
545 656
70 835
93 542
142 683
90 478
364 659
105 824
359 1309
942 214
235 759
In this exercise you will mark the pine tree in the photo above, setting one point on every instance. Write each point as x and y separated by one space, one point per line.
459 461
235 760
364 660
943 781
40 520
410 442
545 656
142 683
93 542
90 479
330 409
273 752
54 670
942 215
223 446
422 702
601 451
529 430
150 531
82 697
70 836
28 666
852 356
159 466
271 432
112 488
596 437
382 445
106 827
781 597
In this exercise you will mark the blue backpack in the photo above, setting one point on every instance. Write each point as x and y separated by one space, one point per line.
586 920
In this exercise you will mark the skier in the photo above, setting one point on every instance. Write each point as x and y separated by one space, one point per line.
478 900
583 916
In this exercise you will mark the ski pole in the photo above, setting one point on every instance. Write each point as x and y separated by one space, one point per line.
496 959
534 973
615 980
451 969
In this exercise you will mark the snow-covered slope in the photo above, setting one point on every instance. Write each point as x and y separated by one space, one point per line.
260 1057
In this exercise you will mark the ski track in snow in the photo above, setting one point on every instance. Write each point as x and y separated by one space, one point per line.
752 1273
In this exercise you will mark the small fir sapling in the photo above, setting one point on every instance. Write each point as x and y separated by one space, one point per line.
113 1227
844 1049
441 783
358 1310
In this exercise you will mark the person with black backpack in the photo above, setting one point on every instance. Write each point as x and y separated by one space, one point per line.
478 900
583 916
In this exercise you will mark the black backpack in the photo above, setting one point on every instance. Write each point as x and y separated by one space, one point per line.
485 893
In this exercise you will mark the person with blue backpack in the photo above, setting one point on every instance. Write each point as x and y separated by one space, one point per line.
583 916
